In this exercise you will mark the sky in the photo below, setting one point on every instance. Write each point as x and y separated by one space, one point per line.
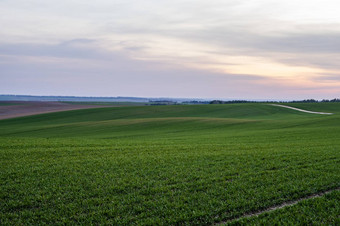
227 49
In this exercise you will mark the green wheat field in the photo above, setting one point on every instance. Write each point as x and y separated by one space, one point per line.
171 165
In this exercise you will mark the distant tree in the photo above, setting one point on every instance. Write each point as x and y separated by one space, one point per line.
335 100
217 102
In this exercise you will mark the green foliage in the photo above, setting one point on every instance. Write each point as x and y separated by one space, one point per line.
196 164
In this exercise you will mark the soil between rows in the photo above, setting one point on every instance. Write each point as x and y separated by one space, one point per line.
25 108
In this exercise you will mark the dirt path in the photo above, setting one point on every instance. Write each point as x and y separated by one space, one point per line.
298 109
283 205
25 108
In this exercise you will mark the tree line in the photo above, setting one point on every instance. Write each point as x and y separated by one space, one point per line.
294 101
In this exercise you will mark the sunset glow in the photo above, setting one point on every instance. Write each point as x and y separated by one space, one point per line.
218 49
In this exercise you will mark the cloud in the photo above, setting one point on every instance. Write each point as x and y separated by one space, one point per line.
178 47
328 78
77 48
327 62
51 70
113 74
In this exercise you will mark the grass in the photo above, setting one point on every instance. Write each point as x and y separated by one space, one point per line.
318 211
106 103
184 164
8 103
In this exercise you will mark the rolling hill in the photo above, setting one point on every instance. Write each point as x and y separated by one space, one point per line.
179 164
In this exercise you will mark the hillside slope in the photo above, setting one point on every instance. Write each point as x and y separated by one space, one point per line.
161 165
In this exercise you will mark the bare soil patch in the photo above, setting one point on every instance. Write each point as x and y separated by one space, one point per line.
25 108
